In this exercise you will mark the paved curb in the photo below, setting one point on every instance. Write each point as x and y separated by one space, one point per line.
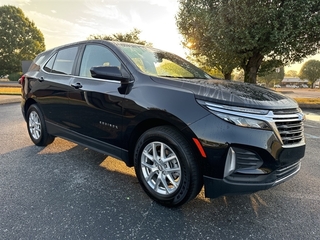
309 106
9 84
4 99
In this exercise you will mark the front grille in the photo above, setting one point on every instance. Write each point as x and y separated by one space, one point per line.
290 126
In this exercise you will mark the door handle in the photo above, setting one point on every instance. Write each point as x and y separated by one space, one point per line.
41 79
76 85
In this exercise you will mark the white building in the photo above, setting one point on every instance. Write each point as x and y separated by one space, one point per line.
293 82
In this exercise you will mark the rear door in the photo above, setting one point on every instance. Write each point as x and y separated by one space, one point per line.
53 84
96 104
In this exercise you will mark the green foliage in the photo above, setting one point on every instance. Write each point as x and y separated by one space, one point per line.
15 76
311 71
19 39
212 70
194 23
239 75
131 37
244 33
272 77
269 67
291 73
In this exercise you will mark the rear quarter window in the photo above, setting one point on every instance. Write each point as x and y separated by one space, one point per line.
62 62
39 61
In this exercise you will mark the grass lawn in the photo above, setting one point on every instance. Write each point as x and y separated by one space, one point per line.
308 100
10 90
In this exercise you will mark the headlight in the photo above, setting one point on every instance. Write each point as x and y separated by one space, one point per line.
240 116
243 121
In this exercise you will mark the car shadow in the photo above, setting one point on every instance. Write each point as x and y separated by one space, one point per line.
63 155
70 176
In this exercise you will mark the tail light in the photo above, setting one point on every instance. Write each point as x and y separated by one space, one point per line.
21 79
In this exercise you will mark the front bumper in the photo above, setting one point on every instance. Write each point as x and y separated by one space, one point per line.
242 160
245 184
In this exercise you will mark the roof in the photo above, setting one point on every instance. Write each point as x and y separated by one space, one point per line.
294 80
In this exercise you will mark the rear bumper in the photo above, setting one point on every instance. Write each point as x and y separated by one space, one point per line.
245 184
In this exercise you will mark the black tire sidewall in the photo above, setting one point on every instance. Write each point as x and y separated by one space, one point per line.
156 135
44 138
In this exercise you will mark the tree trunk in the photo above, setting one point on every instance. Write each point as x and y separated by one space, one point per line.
227 76
252 67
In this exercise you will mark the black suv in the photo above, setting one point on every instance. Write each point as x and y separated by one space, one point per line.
179 127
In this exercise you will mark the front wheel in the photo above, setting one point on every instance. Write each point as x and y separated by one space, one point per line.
166 167
36 127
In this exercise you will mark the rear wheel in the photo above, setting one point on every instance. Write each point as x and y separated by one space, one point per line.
166 167
36 127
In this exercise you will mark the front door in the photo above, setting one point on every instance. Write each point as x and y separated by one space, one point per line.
96 104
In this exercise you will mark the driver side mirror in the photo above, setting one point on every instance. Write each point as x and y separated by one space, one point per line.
111 73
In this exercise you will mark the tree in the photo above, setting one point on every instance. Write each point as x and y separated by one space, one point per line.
20 39
310 70
291 73
194 24
132 37
212 70
272 78
239 75
250 32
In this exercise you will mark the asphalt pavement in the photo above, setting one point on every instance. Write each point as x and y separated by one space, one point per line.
67 191
71 192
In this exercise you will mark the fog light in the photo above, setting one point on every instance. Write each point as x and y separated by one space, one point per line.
230 163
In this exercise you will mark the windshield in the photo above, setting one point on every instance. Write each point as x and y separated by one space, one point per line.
162 64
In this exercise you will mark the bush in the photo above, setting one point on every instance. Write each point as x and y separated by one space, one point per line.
15 76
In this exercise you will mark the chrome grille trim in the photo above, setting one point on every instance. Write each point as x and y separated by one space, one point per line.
285 173
290 127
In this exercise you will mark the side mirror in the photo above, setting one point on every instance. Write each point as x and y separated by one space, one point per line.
110 72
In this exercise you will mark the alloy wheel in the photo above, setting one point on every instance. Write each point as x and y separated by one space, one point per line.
161 168
35 125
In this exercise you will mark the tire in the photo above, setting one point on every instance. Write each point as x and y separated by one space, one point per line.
173 177
37 128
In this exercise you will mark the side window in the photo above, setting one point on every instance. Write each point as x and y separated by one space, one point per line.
62 62
49 65
96 55
35 65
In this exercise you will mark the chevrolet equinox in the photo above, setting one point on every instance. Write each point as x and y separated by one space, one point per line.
179 127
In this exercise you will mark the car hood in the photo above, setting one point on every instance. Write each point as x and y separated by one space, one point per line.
232 93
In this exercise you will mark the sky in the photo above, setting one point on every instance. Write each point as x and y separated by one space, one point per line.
66 21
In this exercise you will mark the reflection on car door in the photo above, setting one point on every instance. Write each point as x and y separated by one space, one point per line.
96 103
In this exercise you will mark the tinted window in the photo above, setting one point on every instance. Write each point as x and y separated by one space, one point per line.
159 63
63 61
35 65
49 65
96 55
